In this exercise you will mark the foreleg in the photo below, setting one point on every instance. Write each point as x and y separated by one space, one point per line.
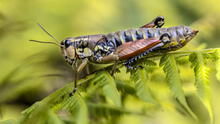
77 71
109 58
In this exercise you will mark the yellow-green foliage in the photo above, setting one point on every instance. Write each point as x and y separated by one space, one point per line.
35 79
100 101
173 78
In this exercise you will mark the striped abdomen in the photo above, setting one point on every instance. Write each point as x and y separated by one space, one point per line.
117 38
129 43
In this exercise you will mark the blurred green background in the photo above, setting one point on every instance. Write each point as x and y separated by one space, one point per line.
30 71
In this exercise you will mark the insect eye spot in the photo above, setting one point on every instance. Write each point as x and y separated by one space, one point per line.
67 43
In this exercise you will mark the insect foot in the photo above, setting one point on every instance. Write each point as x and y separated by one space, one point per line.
73 92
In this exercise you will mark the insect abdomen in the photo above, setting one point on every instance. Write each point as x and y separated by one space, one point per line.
120 37
113 40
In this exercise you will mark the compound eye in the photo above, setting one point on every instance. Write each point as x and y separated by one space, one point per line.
67 43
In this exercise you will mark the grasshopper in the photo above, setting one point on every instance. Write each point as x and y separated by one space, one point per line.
127 46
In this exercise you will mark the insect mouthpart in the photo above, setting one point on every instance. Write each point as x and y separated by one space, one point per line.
191 35
69 60
195 32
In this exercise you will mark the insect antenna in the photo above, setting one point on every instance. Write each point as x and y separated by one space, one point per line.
47 32
48 42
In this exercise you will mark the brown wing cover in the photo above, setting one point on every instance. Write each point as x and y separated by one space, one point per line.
134 48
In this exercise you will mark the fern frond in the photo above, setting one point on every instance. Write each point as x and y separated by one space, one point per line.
38 116
10 121
105 110
174 82
59 100
218 65
124 87
146 62
218 70
143 91
76 106
53 118
106 82
201 72
102 81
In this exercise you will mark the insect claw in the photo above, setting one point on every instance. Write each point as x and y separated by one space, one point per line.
195 32
73 92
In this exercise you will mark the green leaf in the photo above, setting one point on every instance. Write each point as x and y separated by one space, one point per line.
106 110
105 80
201 72
142 89
174 82
125 88
218 65
57 101
82 117
9 122
218 70
49 110
76 106
53 118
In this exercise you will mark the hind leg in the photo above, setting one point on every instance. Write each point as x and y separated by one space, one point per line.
158 22
132 60
110 58
165 39
107 59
